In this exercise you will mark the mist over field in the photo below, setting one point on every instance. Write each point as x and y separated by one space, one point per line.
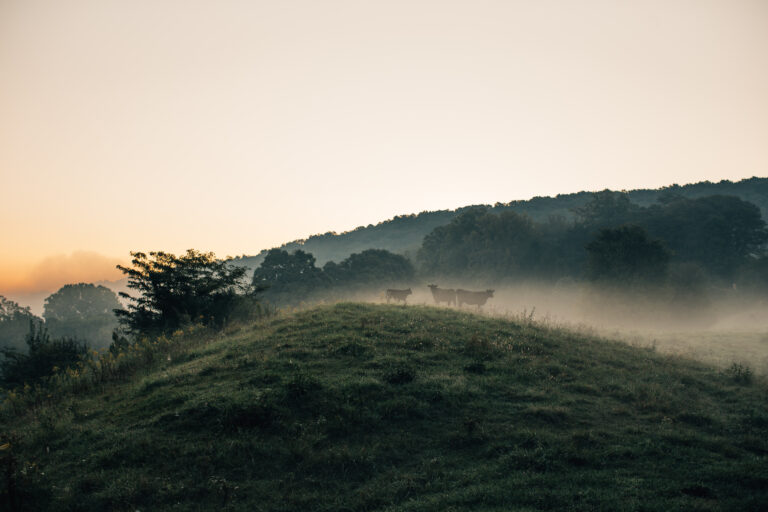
430 256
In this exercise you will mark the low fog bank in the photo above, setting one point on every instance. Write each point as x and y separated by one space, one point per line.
721 327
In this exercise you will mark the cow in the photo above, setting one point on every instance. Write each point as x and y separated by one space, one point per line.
473 298
442 295
398 295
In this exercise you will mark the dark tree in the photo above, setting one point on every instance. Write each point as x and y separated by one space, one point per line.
626 255
82 311
371 267
607 208
176 290
43 356
288 277
721 233
480 243
14 324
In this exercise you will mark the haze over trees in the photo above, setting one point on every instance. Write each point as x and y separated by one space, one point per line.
403 234
15 323
292 278
82 311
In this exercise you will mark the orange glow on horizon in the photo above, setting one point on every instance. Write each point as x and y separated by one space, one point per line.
53 272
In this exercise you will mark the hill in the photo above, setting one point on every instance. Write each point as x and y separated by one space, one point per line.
403 234
370 407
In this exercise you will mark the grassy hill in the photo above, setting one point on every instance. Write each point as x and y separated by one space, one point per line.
372 407
403 234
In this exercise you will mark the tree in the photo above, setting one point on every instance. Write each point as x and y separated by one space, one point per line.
176 290
288 277
607 208
14 324
82 311
485 244
626 255
721 233
371 267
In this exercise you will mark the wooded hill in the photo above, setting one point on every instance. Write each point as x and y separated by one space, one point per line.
404 234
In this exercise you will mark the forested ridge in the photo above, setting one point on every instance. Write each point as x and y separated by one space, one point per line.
403 234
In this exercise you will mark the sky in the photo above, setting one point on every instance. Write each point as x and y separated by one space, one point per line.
235 126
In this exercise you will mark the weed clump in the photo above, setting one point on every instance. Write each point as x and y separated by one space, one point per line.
740 374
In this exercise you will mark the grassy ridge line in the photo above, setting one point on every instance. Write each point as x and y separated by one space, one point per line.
371 407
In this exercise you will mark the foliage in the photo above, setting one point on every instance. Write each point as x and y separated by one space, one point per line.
607 208
478 242
178 290
403 234
293 278
14 324
82 311
626 255
279 418
288 277
43 358
370 267
721 233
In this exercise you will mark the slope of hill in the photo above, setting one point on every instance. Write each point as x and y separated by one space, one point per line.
366 407
404 234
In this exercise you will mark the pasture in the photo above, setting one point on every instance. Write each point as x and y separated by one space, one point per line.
382 408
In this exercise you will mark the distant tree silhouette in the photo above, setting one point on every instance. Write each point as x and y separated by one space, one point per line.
371 267
626 255
607 208
288 277
14 324
82 311
719 232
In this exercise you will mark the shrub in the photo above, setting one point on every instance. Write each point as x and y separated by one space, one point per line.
44 358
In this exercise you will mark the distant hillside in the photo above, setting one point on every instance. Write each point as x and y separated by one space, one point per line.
403 234
383 408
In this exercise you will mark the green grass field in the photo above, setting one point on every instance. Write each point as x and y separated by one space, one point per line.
388 408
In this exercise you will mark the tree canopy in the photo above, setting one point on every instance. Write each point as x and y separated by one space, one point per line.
176 290
83 311
626 255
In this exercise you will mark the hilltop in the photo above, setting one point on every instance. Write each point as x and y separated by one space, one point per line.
403 234
373 407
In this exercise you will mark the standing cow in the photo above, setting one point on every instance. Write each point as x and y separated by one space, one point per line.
398 295
442 294
473 298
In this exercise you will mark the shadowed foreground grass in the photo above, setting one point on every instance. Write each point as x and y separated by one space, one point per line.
365 407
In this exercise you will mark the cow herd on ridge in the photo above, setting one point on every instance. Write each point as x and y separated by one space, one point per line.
448 295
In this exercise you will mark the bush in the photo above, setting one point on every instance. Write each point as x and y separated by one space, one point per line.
44 358
175 291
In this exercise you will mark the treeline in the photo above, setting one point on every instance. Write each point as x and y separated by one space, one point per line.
403 234
682 243
609 238
290 278
81 311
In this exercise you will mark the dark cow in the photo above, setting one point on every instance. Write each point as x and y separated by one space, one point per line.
398 295
442 295
473 298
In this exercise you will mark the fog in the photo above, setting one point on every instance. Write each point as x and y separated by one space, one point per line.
719 327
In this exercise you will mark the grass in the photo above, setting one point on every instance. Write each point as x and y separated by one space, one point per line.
367 407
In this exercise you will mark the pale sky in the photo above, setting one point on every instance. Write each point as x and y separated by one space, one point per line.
234 126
